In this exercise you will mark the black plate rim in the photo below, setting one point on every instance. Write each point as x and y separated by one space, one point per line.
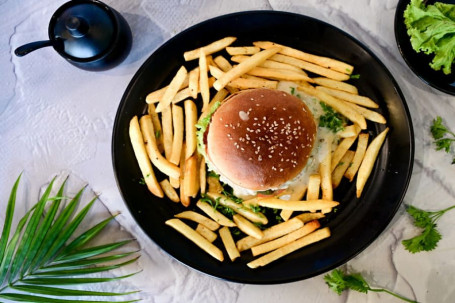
396 87
404 54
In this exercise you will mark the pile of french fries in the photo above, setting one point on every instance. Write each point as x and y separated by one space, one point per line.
165 140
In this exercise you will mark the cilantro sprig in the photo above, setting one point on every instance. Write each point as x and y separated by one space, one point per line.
331 119
338 281
442 135
430 236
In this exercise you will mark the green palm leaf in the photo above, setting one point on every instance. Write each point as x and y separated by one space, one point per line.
38 257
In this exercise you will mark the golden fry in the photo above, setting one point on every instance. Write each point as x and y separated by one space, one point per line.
278 74
286 239
270 233
191 177
168 136
315 236
228 242
184 197
352 98
142 158
222 63
362 144
368 161
270 64
177 123
193 82
349 131
307 217
209 49
309 205
172 89
218 217
156 127
326 173
339 85
198 218
314 183
206 233
341 168
244 67
341 149
203 176
190 127
214 185
196 238
242 50
247 227
169 191
158 94
204 80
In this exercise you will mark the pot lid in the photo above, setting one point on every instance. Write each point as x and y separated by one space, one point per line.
85 29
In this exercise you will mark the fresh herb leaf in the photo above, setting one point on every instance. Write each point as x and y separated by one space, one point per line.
256 208
430 236
292 90
232 196
442 135
431 29
213 174
331 119
142 181
202 125
338 281
355 76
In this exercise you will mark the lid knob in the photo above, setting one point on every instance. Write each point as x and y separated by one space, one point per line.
76 26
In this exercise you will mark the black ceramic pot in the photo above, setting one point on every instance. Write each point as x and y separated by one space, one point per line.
88 34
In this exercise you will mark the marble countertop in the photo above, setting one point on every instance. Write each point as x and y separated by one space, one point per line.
56 118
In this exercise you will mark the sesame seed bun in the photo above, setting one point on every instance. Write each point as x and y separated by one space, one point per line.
260 138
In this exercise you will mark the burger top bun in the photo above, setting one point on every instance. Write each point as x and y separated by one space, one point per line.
260 138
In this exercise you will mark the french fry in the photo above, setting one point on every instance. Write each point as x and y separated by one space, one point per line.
247 227
196 238
314 183
308 205
190 127
172 89
368 161
216 216
184 197
349 131
297 194
158 94
177 123
316 69
214 185
329 63
229 243
198 218
191 178
339 85
239 208
168 136
242 83
270 64
338 105
270 233
369 114
341 168
222 63
242 50
362 144
307 217
206 233
204 80
314 237
341 149
142 158
352 98
203 176
156 127
193 82
278 74
209 49
169 191
325 171
154 154
286 239
244 67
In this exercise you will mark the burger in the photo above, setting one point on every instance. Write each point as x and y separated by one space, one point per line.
258 139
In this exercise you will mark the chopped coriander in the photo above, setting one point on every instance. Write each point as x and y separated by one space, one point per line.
157 134
142 181
292 90
430 236
442 135
331 119
338 281
213 174
256 208
348 70
341 163
356 76
232 197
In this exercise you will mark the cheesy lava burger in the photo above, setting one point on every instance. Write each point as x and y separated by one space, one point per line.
259 139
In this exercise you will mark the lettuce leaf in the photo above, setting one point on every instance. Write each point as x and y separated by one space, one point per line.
432 31
201 126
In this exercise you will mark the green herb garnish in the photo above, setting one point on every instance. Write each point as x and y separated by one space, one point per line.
443 137
339 282
201 126
430 236
142 181
157 134
232 197
44 252
355 76
256 208
292 90
331 119
213 174
431 29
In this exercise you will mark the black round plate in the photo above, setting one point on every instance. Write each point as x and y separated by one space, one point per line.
419 63
355 224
